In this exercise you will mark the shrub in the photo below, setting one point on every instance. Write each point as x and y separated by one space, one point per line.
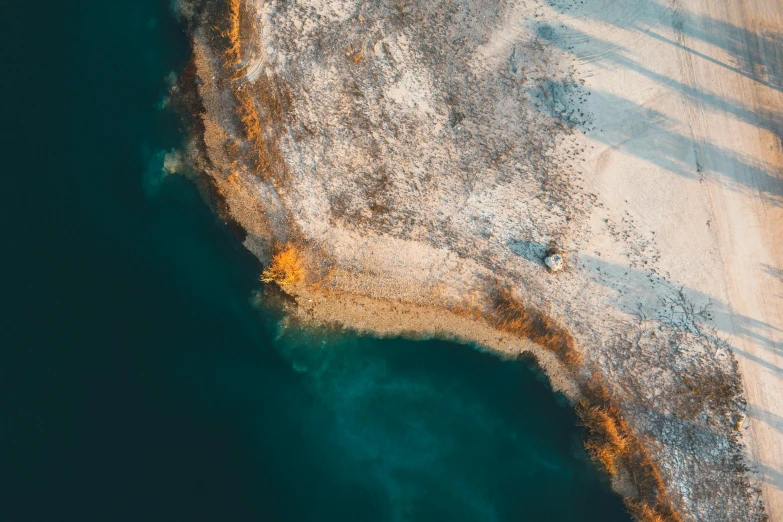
645 513
608 439
514 317
233 53
286 268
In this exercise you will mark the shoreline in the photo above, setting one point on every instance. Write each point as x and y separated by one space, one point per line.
632 473
369 296
412 321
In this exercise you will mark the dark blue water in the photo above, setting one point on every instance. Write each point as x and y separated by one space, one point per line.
137 381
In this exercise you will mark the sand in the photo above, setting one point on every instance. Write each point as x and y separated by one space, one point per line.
422 156
688 99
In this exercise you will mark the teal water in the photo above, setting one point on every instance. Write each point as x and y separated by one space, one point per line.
139 383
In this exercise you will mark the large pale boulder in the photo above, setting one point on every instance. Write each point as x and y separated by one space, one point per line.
554 262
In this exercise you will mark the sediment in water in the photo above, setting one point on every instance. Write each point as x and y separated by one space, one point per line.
374 263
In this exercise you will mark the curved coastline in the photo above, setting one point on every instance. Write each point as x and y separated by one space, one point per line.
236 145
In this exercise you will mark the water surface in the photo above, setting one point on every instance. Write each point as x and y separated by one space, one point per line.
139 383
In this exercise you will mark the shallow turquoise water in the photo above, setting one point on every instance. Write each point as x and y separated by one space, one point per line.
137 381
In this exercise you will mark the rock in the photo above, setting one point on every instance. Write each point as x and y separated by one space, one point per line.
554 262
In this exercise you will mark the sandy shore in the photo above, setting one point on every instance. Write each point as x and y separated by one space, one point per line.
422 156
687 97
393 319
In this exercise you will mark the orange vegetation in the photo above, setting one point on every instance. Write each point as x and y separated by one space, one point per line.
514 317
251 123
233 53
645 513
608 440
286 268
612 442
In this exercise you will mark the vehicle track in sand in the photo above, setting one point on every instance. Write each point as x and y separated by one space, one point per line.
689 97
749 226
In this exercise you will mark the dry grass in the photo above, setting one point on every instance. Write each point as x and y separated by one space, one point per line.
262 108
652 490
612 442
262 104
233 52
608 439
645 513
253 129
248 115
511 316
287 268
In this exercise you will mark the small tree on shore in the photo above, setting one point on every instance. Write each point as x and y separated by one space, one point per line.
286 268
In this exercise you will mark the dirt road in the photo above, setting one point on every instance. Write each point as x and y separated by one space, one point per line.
747 65
688 105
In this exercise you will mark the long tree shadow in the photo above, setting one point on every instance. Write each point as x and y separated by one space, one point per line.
754 54
771 121
770 419
770 475
530 250
637 289
654 136
761 71
636 286
758 360
775 272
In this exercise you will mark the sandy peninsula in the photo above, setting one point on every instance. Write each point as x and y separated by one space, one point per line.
404 168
